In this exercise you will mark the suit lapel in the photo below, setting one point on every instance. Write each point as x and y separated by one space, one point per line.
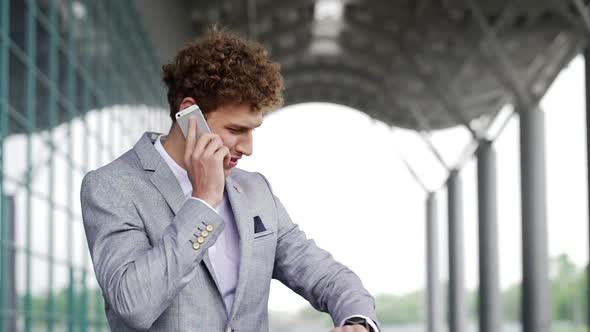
209 266
162 177
164 180
243 218
167 184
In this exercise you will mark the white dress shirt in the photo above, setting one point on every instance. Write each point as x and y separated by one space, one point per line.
225 252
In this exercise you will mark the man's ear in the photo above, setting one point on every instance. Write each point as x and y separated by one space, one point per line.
186 102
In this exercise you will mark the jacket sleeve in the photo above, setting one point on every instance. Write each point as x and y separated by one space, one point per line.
315 275
140 279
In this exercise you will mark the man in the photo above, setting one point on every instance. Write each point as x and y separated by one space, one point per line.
182 240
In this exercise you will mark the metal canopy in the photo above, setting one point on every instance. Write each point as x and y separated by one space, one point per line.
422 65
415 64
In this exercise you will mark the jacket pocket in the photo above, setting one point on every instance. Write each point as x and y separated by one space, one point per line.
263 234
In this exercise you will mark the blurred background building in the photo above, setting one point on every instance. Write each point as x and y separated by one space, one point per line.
80 82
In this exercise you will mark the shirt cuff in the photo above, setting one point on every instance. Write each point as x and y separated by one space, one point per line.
369 321
202 201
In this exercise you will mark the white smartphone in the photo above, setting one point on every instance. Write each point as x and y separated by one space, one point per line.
192 111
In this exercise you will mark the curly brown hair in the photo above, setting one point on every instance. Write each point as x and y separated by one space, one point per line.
223 68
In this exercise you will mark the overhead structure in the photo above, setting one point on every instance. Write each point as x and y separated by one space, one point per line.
414 64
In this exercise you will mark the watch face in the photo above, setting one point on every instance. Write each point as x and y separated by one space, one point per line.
359 321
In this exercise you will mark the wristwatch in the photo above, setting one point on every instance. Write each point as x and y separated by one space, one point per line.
359 321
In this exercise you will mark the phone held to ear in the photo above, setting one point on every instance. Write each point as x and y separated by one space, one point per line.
192 111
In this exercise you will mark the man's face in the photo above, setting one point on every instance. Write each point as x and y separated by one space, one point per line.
235 125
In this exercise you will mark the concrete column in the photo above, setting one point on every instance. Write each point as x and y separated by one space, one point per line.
587 65
536 304
490 319
433 299
457 300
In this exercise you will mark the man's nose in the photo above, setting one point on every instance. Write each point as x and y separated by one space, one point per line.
245 146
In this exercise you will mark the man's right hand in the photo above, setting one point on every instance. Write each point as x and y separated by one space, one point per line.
205 158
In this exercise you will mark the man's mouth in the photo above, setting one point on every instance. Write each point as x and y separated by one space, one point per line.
233 161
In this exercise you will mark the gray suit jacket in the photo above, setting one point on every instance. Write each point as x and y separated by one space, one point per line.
141 229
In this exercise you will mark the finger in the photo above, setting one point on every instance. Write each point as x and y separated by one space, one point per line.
204 141
201 145
213 145
224 155
190 139
192 126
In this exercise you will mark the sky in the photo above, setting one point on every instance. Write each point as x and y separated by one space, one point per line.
341 177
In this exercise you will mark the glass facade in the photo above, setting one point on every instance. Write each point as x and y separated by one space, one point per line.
79 83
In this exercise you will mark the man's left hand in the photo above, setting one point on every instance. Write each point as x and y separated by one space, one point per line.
350 328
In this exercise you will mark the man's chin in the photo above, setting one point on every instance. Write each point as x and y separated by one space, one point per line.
227 171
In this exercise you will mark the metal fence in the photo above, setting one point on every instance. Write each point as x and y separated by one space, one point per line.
78 82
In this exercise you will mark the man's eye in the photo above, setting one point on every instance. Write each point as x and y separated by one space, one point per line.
234 131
